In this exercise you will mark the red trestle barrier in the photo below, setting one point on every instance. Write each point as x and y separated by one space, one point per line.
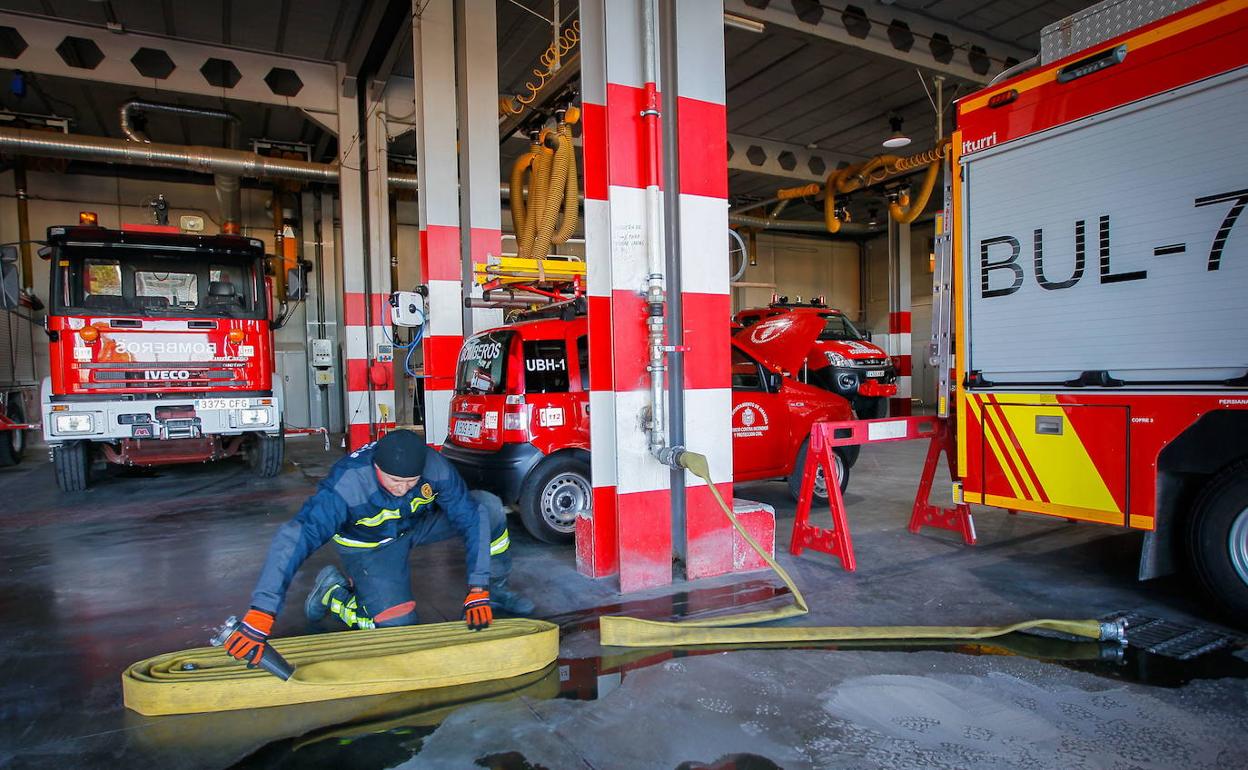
825 436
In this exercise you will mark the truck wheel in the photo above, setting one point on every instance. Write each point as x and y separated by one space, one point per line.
267 454
554 494
13 442
72 462
1217 539
821 485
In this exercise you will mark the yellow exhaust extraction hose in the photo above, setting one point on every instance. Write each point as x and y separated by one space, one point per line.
346 664
634 632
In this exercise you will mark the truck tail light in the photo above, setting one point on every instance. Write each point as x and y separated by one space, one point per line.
516 419
237 336
89 333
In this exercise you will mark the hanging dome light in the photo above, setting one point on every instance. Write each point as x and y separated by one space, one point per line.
897 139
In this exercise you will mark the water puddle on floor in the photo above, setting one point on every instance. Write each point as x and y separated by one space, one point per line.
382 731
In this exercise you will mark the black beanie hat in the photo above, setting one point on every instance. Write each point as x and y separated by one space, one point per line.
401 453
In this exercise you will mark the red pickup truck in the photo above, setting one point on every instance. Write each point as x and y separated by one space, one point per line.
842 359
519 424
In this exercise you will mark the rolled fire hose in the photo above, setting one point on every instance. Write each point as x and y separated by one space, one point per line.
346 664
635 632
550 212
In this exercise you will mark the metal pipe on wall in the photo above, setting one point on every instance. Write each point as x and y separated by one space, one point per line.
229 191
655 286
675 300
23 224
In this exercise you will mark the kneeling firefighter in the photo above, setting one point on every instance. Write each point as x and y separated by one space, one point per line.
376 504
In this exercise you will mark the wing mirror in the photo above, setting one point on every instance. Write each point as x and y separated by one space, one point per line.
774 381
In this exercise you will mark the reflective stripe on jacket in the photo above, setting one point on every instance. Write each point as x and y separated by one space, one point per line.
351 508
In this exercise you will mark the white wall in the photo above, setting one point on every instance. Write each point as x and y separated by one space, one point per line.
809 267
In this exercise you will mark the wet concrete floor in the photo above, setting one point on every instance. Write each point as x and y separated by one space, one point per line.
149 562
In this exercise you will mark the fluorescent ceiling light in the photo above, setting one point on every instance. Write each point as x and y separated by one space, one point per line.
742 22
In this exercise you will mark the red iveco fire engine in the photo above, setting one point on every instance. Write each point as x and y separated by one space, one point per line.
161 351
520 415
841 360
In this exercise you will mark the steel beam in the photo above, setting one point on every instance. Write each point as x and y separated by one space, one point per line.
922 30
316 93
792 161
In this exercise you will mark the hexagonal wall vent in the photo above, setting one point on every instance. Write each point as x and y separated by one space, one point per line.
809 11
979 61
942 49
756 155
817 166
856 22
81 53
283 82
900 36
11 43
221 73
731 151
152 63
787 160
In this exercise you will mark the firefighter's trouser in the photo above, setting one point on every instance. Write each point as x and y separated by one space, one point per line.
381 591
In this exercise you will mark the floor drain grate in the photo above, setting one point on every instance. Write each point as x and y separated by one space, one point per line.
1173 640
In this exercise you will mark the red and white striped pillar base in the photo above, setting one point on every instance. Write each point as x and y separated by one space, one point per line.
630 531
899 342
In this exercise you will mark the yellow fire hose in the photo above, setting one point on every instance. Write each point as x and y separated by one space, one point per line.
634 632
341 665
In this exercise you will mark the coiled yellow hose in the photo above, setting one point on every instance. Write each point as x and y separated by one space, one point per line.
341 665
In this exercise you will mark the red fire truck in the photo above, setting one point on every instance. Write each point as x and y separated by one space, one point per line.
1100 274
161 351
841 360
520 415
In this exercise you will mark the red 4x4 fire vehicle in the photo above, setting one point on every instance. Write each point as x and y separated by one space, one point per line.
161 351
520 414
841 360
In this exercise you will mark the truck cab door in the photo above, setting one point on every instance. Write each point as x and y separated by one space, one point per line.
760 421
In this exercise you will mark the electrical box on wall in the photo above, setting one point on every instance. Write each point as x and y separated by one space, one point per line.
322 353
407 308
324 376
385 352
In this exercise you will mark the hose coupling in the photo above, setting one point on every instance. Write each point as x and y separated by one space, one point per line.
1114 631
670 455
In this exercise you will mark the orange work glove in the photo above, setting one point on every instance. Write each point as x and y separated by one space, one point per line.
477 612
247 641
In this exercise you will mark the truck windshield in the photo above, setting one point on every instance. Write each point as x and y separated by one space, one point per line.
482 368
837 328
156 284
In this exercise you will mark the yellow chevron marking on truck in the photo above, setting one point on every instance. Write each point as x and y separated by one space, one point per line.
981 414
1061 462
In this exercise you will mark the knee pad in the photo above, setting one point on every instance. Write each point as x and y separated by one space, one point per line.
399 615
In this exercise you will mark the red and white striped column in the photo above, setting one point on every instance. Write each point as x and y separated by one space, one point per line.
630 531
899 336
365 276
433 48
477 61
702 134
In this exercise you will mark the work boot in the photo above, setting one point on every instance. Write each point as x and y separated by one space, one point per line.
328 580
506 600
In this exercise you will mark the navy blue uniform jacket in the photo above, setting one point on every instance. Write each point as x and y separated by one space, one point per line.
351 508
